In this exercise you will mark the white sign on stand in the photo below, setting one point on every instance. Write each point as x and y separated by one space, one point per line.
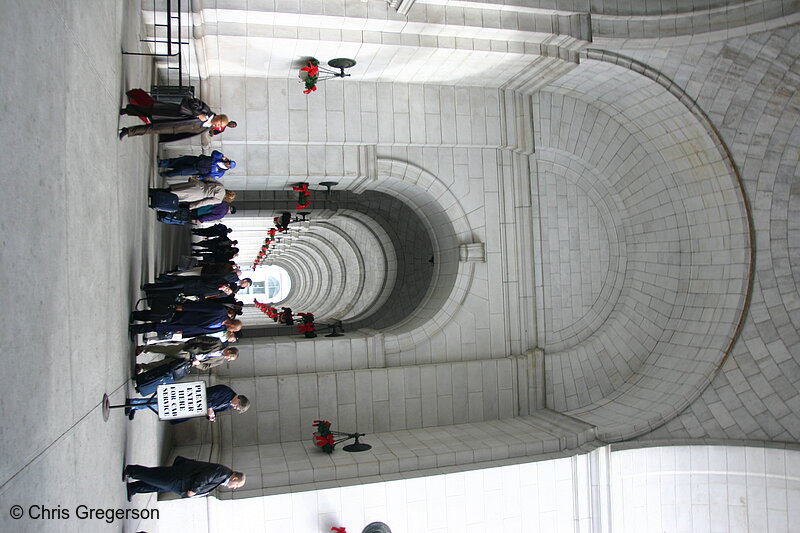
182 400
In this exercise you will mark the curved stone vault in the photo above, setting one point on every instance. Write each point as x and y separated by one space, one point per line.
668 302
364 259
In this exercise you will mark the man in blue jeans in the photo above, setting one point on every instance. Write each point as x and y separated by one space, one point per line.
219 398
212 166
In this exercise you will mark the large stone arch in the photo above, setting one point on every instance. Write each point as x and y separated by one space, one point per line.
448 228
687 239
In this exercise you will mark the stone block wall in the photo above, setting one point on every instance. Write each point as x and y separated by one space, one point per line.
614 229
677 294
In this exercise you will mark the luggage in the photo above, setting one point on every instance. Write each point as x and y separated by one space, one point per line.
175 370
159 311
162 200
181 217
141 98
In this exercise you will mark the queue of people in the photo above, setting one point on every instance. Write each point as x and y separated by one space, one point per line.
194 201
199 306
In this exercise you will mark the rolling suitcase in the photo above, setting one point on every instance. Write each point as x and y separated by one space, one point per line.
162 200
148 382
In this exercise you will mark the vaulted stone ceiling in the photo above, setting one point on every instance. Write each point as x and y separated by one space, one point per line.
589 217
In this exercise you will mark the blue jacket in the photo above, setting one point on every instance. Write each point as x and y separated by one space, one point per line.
207 165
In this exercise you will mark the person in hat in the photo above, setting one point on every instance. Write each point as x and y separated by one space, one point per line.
216 130
212 166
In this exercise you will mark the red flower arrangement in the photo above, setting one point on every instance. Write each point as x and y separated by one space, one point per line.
303 195
309 74
323 436
264 251
307 326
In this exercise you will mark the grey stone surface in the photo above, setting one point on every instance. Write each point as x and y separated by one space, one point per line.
77 242
752 82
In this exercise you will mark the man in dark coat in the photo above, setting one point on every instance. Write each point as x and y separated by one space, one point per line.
282 222
190 319
185 477
208 257
174 130
219 398
204 287
173 122
216 243
217 230
165 111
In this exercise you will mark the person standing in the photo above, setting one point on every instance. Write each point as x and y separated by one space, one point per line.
219 398
190 319
186 477
198 193
217 230
211 166
189 349
203 287
211 213
174 130
189 108
216 243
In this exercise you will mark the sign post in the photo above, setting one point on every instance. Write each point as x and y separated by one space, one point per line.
170 402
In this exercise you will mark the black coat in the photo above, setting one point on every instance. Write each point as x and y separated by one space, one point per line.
217 230
194 106
189 286
219 397
189 108
199 477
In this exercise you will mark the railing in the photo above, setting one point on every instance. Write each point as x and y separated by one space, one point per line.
170 33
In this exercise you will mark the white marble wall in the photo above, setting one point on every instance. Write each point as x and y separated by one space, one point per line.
520 498
714 489
711 489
